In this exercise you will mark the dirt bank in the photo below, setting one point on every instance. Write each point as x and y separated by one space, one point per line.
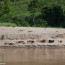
26 33
19 33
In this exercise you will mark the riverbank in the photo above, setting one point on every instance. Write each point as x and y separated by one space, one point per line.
13 34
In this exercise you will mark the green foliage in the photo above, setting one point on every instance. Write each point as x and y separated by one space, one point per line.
4 7
1 8
2 37
33 8
20 21
53 15
40 23
14 0
7 24
39 13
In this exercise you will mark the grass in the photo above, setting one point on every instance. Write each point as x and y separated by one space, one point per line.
53 27
14 25
47 27
8 24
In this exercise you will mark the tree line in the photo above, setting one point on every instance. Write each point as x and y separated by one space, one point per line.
42 13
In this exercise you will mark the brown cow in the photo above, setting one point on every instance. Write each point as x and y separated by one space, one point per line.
30 41
51 41
6 43
43 41
38 40
9 43
60 41
20 42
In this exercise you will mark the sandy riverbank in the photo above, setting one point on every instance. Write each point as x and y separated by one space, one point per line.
12 34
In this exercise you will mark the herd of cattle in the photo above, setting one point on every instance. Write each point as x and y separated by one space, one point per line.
31 41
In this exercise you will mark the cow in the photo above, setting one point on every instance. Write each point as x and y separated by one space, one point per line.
43 41
30 41
51 41
6 43
60 41
22 42
38 40
11 43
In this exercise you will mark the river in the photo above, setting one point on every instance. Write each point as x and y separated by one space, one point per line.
32 56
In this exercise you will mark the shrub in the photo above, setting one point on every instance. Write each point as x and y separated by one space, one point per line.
2 37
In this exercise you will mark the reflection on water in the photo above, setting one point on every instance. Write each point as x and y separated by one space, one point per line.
32 56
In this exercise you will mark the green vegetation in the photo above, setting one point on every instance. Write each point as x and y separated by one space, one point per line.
21 30
37 13
30 31
33 8
7 24
2 37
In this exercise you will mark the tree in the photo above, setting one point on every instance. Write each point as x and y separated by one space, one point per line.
7 7
53 15
33 8
1 7
4 7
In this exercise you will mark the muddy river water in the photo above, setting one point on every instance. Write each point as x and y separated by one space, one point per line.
32 56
